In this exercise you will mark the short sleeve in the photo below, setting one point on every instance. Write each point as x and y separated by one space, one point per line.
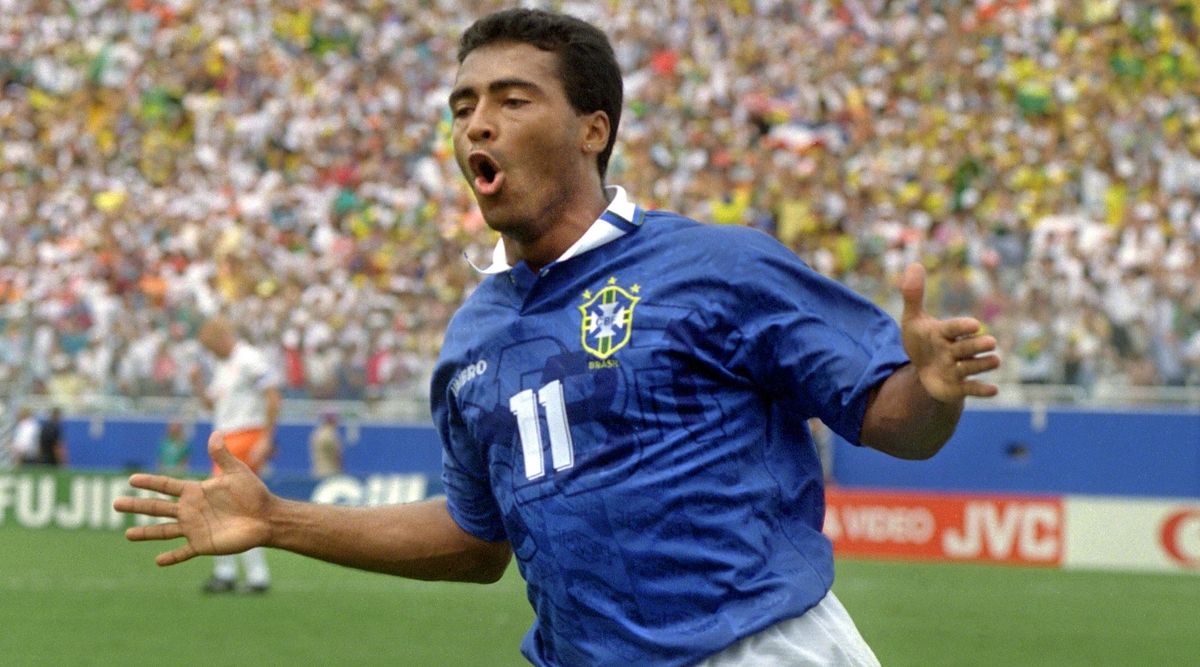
811 343
465 478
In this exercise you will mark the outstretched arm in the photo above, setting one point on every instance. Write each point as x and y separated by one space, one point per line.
915 411
234 512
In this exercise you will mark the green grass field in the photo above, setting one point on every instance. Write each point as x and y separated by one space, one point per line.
90 598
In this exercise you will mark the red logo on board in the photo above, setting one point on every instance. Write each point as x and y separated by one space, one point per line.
1180 536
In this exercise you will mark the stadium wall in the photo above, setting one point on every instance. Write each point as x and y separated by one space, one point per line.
132 444
36 497
1061 450
1055 488
1069 532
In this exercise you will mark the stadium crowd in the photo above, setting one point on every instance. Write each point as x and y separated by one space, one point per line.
286 162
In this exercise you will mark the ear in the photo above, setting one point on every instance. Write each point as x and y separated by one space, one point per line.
594 131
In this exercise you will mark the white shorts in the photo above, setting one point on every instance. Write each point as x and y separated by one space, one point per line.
825 636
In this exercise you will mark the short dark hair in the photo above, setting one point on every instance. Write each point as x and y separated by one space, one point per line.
586 63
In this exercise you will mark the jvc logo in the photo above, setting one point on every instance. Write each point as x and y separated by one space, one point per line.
1007 531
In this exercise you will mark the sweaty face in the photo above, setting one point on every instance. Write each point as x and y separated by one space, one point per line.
516 137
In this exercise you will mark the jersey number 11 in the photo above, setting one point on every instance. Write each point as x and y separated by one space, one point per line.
529 427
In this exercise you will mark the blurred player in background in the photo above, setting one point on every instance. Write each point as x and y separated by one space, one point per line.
244 395
325 447
173 450
52 445
25 438
623 402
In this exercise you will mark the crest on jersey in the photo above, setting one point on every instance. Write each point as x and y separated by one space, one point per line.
608 318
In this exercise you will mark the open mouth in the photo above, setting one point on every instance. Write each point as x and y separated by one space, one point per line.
488 175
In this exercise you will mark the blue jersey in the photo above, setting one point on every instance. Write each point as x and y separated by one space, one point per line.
632 419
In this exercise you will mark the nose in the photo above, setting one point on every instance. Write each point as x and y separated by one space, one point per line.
480 126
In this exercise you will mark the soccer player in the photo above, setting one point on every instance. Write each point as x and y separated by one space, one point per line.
325 447
173 450
52 446
25 438
243 394
623 401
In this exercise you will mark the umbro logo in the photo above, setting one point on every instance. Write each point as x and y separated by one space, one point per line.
466 375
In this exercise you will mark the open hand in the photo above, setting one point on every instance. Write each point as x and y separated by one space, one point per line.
947 354
226 514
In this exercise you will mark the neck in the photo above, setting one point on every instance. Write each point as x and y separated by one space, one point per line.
557 234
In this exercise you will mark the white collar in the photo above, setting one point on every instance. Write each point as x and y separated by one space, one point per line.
616 221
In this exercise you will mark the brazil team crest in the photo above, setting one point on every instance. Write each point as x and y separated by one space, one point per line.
608 319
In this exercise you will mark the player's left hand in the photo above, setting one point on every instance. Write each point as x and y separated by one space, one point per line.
947 354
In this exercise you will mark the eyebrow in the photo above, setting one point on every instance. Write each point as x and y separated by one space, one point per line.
493 87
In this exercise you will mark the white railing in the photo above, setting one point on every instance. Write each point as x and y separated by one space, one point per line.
1102 396
415 408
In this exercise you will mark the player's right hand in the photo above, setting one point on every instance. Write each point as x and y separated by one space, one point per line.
226 514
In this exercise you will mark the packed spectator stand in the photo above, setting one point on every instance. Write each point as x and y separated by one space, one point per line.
286 162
